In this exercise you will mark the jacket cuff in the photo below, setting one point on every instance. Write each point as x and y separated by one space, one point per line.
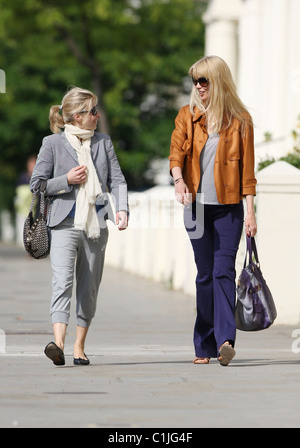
175 163
58 185
249 188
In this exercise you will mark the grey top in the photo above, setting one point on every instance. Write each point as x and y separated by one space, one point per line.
207 162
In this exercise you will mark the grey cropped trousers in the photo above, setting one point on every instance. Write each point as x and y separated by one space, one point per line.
72 252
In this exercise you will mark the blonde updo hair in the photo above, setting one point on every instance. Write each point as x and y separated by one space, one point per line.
75 101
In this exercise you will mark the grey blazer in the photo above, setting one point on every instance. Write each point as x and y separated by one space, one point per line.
57 157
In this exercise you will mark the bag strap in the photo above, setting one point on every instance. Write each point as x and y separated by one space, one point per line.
251 247
40 186
32 201
40 189
254 248
248 251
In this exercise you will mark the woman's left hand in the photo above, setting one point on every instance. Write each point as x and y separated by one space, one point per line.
250 224
122 220
250 220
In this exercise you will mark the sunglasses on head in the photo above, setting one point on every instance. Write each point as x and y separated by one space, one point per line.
93 111
202 81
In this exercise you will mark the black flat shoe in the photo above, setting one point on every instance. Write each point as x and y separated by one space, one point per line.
53 352
81 361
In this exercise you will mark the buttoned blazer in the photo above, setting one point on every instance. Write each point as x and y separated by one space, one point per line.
57 157
234 162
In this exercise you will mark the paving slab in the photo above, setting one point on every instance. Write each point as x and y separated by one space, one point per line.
141 374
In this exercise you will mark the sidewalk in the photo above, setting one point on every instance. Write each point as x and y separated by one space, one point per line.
141 373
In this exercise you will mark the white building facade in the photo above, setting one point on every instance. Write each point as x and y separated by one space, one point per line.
260 41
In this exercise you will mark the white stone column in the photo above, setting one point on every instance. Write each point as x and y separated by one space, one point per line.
293 81
250 59
221 38
274 92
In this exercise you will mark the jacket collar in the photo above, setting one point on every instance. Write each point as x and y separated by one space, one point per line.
72 151
198 115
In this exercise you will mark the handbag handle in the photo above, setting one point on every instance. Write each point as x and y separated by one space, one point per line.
251 246
39 188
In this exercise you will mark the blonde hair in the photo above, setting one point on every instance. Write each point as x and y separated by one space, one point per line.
75 101
224 103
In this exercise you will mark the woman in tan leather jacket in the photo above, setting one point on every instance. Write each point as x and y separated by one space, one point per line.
212 163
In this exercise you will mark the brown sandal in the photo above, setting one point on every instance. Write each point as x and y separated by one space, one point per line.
201 360
227 353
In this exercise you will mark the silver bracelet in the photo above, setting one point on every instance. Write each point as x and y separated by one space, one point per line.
177 180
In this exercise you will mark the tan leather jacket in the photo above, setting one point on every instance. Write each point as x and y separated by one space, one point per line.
234 163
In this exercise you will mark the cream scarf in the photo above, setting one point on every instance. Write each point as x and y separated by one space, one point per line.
85 213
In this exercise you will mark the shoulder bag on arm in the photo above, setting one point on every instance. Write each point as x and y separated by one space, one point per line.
36 235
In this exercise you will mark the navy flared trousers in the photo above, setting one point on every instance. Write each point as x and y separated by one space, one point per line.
215 252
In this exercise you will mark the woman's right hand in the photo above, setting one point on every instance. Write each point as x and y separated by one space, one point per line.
182 192
77 175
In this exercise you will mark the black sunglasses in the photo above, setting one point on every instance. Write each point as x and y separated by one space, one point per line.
93 111
202 81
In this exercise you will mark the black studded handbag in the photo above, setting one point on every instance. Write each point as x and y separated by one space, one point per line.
36 236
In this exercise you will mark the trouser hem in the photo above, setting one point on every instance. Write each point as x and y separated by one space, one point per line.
60 317
83 322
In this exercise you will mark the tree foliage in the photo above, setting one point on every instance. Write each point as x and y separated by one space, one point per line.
133 53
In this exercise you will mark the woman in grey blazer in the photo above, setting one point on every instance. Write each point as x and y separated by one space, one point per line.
80 167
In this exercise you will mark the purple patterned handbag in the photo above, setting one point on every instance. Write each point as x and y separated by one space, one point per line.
255 307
